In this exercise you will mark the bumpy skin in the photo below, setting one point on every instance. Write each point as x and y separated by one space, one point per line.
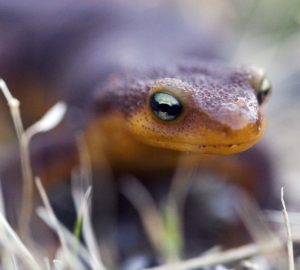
106 60
221 114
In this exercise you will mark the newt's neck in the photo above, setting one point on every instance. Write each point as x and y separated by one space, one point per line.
110 141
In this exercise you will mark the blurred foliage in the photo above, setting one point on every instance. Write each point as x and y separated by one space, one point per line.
271 16
259 16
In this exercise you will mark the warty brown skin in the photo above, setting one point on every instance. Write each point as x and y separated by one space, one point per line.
221 113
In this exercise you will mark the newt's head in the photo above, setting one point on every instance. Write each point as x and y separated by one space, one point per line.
210 109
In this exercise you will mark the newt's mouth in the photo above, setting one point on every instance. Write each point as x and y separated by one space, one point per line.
202 146
225 149
211 148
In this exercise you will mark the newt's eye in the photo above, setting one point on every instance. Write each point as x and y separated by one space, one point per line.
165 106
263 91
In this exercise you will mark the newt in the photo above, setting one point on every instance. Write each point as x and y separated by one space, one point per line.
141 86
185 104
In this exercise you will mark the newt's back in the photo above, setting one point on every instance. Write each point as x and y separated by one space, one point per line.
60 49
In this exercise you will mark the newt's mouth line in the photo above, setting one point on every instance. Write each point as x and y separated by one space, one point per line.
202 146
234 146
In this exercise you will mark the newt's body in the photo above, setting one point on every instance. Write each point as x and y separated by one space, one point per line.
136 84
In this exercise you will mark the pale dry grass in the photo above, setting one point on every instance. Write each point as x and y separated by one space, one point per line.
163 226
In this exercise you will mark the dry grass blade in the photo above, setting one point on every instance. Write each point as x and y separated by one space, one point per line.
181 181
81 193
258 228
289 233
9 261
47 263
14 106
10 241
67 240
49 121
8 96
58 265
64 258
68 257
2 205
90 237
85 161
228 256
174 208
82 203
26 205
27 194
150 215
50 211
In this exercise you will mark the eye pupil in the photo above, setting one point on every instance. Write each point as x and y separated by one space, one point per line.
261 96
165 106
264 91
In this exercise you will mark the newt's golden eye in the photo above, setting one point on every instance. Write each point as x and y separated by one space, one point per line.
165 106
263 91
